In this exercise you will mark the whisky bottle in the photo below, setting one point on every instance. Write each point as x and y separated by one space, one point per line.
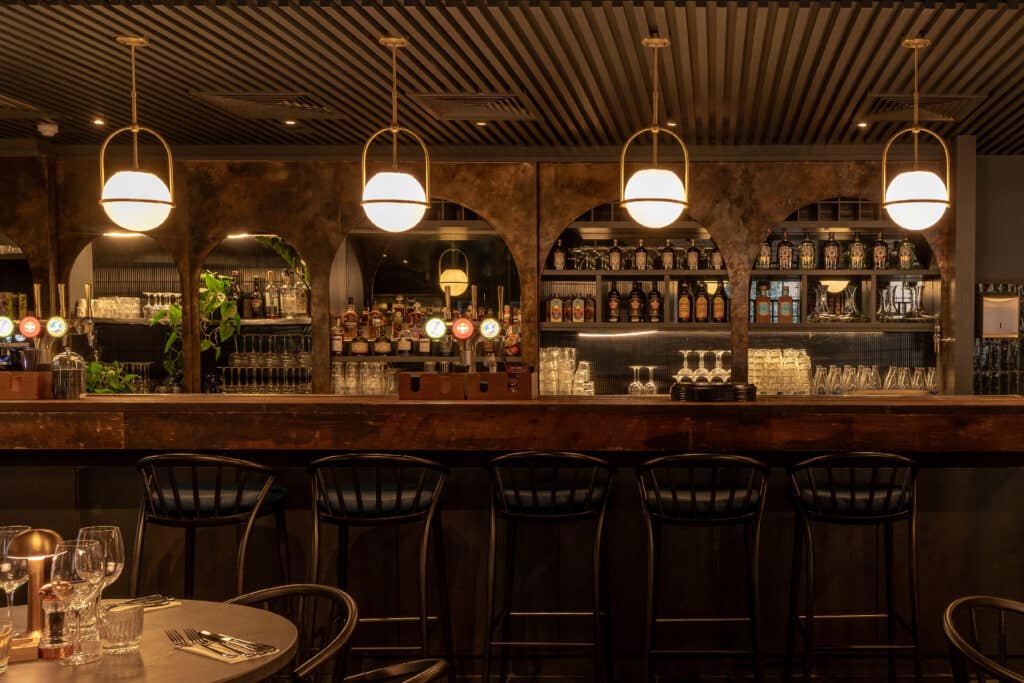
615 256
271 298
361 344
764 256
685 308
693 256
589 309
785 306
655 308
235 291
558 257
785 252
578 309
337 338
808 254
613 306
382 344
640 257
762 306
350 321
719 305
701 305
423 345
716 262
637 303
256 298
905 254
287 302
830 253
555 309
858 253
668 256
880 254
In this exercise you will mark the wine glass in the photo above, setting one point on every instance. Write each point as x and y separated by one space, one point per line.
112 548
650 388
701 374
636 387
719 374
684 374
13 572
78 571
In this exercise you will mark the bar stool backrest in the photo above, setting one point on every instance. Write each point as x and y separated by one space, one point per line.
698 488
324 616
977 624
550 485
376 488
188 488
860 487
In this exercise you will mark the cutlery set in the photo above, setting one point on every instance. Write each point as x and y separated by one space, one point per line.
218 644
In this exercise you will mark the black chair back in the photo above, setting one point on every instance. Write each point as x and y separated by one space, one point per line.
325 618
420 671
860 487
187 489
697 488
550 485
375 488
974 625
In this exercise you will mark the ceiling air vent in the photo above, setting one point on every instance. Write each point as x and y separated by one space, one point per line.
941 108
258 106
475 106
12 109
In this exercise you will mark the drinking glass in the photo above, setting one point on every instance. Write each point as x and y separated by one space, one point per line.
819 386
650 388
918 381
719 374
684 374
78 571
13 572
931 381
636 387
701 374
849 379
835 380
111 547
850 309
120 627
6 634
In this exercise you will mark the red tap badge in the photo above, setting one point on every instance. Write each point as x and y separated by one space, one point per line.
462 329
30 327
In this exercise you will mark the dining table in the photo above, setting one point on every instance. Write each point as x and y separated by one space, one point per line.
158 661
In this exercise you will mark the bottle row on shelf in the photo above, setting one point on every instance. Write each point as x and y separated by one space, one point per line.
707 302
614 257
271 297
831 254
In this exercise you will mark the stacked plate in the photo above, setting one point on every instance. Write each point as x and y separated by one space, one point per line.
745 392
712 393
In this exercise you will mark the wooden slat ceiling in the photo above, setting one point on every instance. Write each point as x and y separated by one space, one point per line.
768 73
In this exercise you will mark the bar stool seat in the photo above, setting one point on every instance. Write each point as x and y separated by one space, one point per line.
210 506
388 499
704 501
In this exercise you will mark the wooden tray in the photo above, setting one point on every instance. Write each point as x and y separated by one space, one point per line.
26 386
499 386
432 386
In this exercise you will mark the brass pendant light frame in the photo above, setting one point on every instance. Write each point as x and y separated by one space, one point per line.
916 44
395 44
454 251
655 43
133 43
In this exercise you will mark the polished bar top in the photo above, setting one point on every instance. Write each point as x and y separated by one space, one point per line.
923 425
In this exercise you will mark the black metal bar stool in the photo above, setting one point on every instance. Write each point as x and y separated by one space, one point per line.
874 489
978 650
377 490
699 490
189 491
548 488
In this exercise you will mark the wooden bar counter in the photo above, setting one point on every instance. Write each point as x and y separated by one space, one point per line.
931 428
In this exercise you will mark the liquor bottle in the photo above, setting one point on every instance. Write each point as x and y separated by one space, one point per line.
300 293
808 254
764 256
403 344
284 293
235 291
784 252
905 254
637 303
684 314
668 256
640 257
858 253
880 254
589 309
830 253
785 306
423 345
655 307
555 304
615 256
256 298
360 346
762 306
719 305
337 338
350 321
578 309
271 298
382 344
613 306
716 262
701 305
558 257
693 256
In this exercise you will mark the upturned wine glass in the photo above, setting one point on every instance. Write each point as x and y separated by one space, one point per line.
684 374
13 571
636 387
719 374
78 571
650 388
701 374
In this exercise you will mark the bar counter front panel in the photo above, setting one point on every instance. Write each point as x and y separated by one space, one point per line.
69 464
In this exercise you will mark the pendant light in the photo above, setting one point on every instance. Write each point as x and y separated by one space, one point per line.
654 197
916 199
395 201
454 276
134 199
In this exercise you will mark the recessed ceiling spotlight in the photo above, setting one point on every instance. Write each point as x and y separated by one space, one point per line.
671 124
98 122
290 122
481 124
862 124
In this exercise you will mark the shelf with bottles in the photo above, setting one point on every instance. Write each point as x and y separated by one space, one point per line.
298 321
627 328
579 252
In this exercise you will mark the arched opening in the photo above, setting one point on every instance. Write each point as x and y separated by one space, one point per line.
15 281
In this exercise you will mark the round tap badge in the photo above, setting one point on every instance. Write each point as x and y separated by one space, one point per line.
490 328
462 329
56 327
30 327
435 328
6 326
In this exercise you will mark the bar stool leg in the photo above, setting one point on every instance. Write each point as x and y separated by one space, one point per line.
511 540
752 538
489 610
446 614
793 619
599 670
140 534
890 600
422 588
809 618
341 557
280 522
649 614
914 605
190 559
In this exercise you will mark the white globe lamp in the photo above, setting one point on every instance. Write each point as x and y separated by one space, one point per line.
453 275
136 200
916 200
394 201
654 197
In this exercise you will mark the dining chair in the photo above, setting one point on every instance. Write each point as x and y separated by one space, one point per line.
325 618
420 671
984 619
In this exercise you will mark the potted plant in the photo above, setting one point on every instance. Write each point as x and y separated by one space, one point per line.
108 378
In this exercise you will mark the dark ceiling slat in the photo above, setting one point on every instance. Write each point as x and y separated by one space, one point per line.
683 109
597 74
818 85
796 67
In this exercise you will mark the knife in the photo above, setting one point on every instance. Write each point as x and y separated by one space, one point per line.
239 642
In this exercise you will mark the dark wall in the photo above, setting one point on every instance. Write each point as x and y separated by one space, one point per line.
1000 232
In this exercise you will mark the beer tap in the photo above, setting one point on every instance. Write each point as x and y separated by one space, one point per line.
464 330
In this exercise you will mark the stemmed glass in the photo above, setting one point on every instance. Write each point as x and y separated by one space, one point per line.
701 374
650 388
636 387
78 571
13 571
684 374
719 374
112 548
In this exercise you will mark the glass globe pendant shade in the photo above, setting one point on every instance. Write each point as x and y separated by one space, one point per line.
455 279
394 201
654 197
136 200
916 200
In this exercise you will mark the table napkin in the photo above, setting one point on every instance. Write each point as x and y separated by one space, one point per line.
199 650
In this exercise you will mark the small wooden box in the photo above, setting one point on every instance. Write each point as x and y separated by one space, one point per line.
432 386
26 386
499 386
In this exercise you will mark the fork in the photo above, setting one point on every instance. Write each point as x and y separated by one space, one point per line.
180 641
196 637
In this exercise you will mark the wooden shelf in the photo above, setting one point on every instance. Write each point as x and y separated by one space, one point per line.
794 274
698 328
275 322
627 274
399 359
852 327
121 321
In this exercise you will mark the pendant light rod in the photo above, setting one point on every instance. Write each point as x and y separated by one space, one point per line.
655 43
132 43
394 43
